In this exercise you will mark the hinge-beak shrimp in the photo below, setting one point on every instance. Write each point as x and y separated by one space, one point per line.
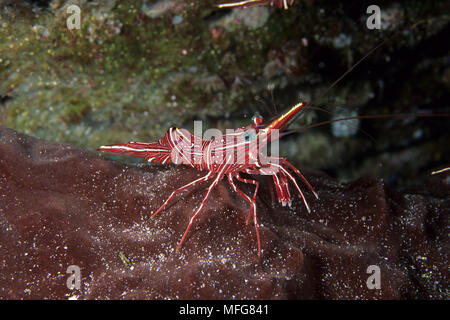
225 156
282 4
231 154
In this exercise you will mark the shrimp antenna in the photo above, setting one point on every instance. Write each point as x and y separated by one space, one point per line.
382 43
377 116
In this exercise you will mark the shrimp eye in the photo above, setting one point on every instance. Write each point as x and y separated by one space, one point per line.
249 135
257 119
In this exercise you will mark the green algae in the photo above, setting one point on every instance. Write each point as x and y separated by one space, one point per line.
118 66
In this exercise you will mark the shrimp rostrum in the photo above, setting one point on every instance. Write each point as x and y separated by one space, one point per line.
228 155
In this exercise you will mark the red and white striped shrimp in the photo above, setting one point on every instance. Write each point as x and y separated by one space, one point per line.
231 154
282 4
227 156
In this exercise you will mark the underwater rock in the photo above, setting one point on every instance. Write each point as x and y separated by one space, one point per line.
61 206
253 18
345 128
392 17
160 8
